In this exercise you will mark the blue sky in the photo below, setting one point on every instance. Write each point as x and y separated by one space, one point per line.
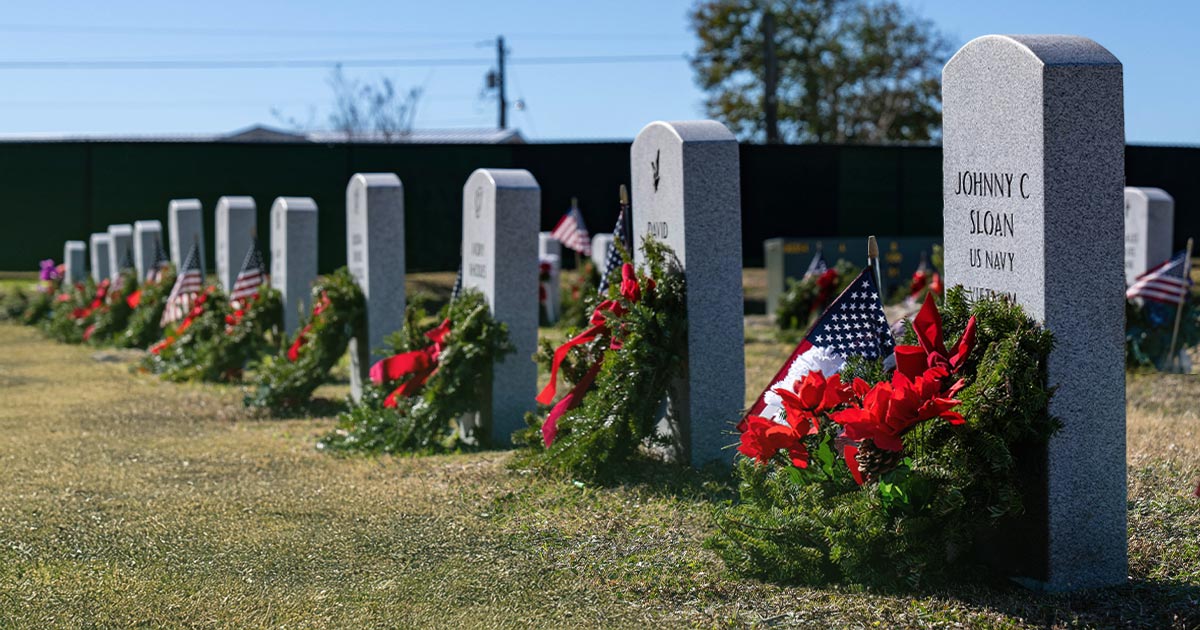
1154 39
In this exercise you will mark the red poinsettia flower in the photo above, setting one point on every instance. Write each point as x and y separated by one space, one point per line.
764 438
931 352
630 289
814 395
889 410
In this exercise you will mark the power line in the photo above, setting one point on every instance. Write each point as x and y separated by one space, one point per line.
216 64
299 33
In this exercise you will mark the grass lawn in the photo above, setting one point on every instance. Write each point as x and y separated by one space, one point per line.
125 501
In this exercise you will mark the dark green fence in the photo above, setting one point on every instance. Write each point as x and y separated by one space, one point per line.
51 192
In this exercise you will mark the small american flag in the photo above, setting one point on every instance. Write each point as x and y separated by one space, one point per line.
1167 283
572 233
127 263
187 285
457 291
854 325
250 278
161 261
621 234
817 266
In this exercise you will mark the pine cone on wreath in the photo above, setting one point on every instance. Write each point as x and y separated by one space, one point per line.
874 461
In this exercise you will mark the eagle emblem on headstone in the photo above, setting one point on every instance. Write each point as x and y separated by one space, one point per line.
654 168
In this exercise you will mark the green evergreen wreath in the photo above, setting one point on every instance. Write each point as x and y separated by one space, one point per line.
65 322
111 318
219 342
144 326
619 413
287 381
13 303
581 297
428 420
38 307
803 299
929 514
175 356
1149 326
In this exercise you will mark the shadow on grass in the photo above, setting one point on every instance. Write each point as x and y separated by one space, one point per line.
313 408
656 477
1138 604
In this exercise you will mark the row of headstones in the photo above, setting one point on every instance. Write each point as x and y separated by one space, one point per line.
1033 137
686 168
293 246
1033 141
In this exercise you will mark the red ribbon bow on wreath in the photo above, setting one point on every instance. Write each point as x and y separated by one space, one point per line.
293 353
631 291
418 365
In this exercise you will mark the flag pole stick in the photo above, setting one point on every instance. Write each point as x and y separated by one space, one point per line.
873 262
1187 275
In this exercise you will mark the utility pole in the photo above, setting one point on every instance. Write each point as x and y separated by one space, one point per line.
770 80
500 81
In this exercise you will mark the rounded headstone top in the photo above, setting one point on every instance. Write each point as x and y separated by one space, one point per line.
1149 194
374 180
294 204
506 177
76 244
151 225
236 201
1049 50
121 229
183 204
693 130
99 237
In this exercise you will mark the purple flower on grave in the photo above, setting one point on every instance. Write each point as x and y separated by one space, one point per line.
49 270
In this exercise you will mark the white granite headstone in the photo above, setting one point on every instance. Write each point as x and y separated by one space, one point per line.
601 243
501 208
375 256
550 289
98 246
236 218
120 251
1033 172
686 193
185 225
147 239
1149 230
74 261
550 252
294 256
